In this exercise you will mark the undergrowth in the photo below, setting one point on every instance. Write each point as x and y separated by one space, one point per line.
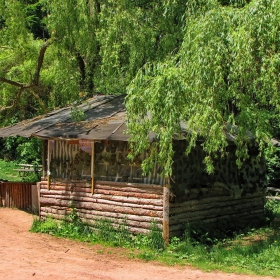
251 251
7 171
103 231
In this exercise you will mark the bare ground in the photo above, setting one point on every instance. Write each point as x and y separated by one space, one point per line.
26 255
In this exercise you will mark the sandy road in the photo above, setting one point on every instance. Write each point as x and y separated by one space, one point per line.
26 255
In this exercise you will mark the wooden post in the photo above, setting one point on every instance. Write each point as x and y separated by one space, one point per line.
48 165
43 158
92 168
165 222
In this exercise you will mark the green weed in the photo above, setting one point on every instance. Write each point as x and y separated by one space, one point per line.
103 231
7 171
272 209
255 251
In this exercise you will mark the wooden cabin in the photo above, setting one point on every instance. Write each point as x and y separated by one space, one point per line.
85 166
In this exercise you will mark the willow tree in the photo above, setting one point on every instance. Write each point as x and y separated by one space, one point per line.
112 39
29 83
212 64
224 78
91 46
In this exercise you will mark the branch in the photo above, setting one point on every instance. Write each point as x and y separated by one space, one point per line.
40 61
40 101
15 102
13 83
4 47
33 83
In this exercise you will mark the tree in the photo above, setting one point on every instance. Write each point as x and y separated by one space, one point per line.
92 46
28 81
213 64
224 77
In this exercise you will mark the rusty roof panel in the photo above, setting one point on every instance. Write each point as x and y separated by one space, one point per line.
98 110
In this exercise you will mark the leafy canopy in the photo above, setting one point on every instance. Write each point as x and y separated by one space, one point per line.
225 74
210 64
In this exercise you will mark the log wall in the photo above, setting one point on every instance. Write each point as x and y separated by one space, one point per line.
138 204
216 208
229 198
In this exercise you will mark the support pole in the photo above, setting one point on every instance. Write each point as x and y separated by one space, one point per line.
48 166
44 153
92 168
165 222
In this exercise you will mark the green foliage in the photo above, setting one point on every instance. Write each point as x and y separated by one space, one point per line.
33 177
103 231
224 78
22 150
77 114
48 226
273 168
248 252
29 150
35 14
7 171
272 209
213 64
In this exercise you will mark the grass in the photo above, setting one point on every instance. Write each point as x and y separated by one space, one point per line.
7 171
255 251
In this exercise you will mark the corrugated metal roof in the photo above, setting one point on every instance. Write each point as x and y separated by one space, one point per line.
105 119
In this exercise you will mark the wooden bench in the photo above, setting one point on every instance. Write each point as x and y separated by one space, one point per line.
27 169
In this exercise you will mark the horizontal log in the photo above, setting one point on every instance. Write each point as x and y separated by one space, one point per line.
134 230
139 186
66 188
214 221
130 223
81 191
90 197
150 189
122 216
90 214
273 198
44 215
57 208
68 191
128 193
130 187
203 205
212 192
273 189
211 202
150 205
209 213
101 207
91 220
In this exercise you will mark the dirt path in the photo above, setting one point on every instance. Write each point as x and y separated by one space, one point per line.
25 255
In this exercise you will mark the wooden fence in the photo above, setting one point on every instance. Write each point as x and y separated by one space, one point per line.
19 195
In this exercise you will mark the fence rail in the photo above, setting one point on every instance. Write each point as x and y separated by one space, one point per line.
17 195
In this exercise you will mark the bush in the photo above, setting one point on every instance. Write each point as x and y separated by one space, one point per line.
271 209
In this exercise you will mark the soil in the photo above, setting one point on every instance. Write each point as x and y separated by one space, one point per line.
26 255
